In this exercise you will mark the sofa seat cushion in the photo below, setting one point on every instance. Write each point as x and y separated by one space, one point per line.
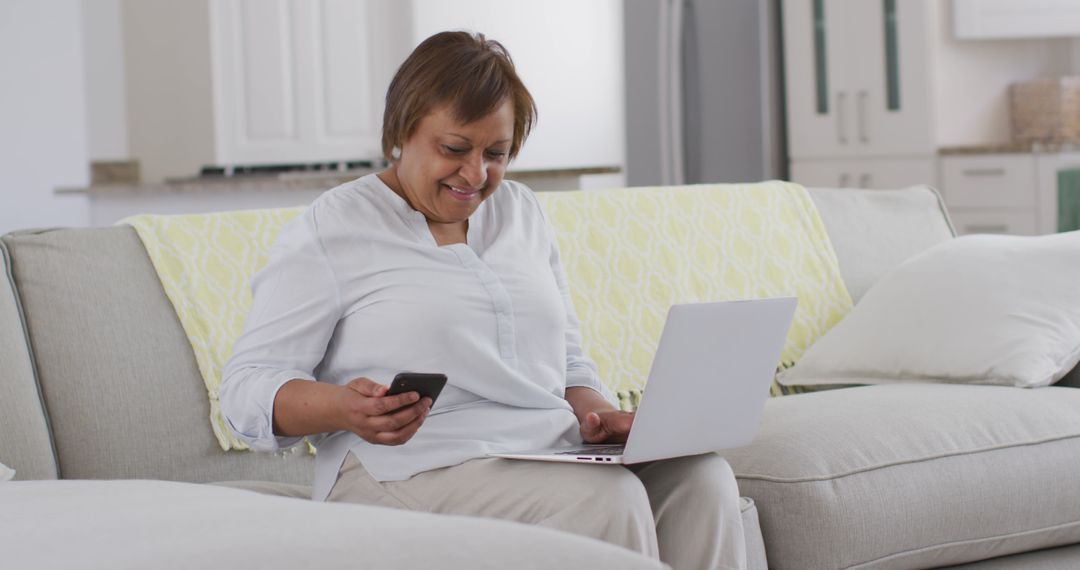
914 475
1060 558
270 488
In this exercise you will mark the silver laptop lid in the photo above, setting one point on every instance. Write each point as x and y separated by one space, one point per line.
722 358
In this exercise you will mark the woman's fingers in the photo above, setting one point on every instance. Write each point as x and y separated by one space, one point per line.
387 404
592 429
400 418
607 426
401 435
367 387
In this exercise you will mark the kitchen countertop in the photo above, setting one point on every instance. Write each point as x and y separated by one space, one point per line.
1011 148
295 181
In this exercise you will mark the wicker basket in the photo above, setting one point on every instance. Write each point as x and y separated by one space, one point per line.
1045 110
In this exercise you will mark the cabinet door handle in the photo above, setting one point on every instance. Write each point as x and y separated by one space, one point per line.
986 229
841 117
984 172
866 181
864 137
845 178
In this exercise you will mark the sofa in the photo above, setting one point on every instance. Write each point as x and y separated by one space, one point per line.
104 419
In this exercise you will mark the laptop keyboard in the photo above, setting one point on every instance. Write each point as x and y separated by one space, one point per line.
605 450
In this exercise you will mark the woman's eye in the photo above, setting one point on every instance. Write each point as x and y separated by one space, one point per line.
496 154
455 150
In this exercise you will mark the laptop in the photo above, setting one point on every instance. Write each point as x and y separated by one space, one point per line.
707 386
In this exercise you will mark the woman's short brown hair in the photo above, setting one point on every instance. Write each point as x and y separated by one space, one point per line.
468 72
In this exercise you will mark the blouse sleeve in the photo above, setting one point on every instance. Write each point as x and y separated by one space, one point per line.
295 307
580 369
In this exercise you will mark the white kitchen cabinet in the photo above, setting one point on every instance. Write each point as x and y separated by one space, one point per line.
994 221
1018 190
1011 19
881 173
857 78
293 82
989 181
993 193
258 81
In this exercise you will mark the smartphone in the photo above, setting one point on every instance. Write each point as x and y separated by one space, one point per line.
427 385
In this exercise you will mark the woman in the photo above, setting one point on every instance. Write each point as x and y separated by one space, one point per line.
437 264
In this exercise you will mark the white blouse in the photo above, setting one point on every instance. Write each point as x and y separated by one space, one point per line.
357 286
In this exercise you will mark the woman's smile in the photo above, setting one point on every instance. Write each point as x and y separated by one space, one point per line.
462 193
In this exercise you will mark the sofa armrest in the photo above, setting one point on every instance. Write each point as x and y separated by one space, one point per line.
144 524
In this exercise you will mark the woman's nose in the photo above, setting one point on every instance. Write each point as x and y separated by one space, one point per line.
474 170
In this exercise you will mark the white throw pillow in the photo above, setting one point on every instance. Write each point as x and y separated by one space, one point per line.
6 473
978 309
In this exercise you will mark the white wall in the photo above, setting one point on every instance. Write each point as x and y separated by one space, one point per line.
43 142
106 102
569 53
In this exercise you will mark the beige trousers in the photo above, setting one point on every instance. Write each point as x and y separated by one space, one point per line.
684 511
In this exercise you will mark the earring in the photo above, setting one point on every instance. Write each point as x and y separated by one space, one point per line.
395 153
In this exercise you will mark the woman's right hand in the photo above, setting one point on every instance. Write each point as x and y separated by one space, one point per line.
364 409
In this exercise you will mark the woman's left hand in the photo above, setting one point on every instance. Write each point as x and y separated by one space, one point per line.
606 426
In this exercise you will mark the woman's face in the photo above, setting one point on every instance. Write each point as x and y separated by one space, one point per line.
447 168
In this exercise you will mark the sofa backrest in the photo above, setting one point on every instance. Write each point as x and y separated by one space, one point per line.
873 231
118 377
25 443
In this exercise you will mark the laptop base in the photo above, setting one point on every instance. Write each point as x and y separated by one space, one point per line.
574 454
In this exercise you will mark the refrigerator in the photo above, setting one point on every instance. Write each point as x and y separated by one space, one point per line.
704 96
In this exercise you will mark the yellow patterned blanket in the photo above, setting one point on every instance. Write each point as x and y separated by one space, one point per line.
205 263
629 254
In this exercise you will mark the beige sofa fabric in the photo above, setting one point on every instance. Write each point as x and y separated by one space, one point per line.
25 446
979 472
117 373
755 544
873 231
1061 558
167 525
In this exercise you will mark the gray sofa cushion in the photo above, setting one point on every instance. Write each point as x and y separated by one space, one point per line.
25 443
270 488
163 525
1061 558
873 231
118 376
914 475
755 545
